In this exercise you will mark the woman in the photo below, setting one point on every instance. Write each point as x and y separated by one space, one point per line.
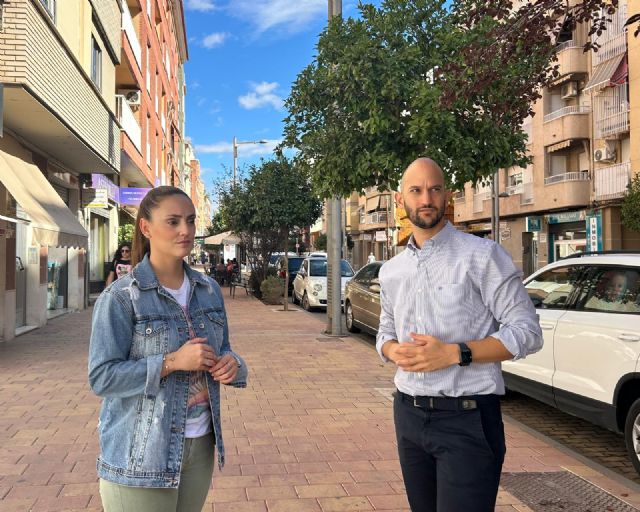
159 351
121 264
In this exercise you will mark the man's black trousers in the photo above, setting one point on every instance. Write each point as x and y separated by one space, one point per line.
451 459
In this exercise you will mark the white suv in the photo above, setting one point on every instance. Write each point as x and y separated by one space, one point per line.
589 307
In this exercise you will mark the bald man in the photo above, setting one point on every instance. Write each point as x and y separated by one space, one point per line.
452 307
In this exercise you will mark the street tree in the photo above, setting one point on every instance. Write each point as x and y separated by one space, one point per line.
421 77
264 207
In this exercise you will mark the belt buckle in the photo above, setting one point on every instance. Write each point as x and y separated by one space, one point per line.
428 406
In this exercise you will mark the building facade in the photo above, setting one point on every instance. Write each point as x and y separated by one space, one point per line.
583 142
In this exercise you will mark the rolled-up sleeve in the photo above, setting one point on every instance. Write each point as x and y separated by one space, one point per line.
505 295
387 328
111 372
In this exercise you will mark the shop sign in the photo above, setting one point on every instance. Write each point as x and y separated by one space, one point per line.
562 217
101 181
381 236
594 233
367 237
100 200
505 234
533 224
480 227
132 196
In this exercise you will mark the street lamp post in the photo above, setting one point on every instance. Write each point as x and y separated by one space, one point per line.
236 143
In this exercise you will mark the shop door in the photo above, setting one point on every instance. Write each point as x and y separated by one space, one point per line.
21 276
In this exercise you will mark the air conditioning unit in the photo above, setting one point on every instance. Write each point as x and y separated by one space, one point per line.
569 90
604 155
132 96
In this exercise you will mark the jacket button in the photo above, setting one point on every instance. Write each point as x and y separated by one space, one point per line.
201 326
148 330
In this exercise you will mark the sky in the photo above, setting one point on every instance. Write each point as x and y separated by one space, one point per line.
244 56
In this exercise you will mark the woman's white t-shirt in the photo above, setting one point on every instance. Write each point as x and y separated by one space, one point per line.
198 409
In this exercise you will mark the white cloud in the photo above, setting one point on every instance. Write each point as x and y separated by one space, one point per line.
214 40
262 95
245 150
201 101
201 5
284 15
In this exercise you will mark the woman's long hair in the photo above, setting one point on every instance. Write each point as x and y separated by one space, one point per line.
150 202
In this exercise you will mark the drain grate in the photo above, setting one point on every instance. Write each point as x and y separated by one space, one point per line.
560 492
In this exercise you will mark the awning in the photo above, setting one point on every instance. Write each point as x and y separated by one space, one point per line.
52 222
558 146
222 238
372 203
602 73
621 74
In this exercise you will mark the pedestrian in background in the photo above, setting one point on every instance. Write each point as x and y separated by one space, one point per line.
121 263
159 351
452 307
371 258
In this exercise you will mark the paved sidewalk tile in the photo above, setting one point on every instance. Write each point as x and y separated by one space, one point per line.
312 432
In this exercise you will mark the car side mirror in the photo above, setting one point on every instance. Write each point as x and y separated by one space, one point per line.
375 288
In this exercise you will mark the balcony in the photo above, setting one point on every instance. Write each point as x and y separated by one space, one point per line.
611 182
128 121
567 123
567 176
571 58
478 200
611 112
130 33
373 218
612 41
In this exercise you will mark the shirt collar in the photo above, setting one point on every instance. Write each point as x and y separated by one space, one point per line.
440 238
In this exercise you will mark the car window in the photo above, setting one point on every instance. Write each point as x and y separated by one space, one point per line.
612 289
365 274
345 269
552 289
318 268
294 264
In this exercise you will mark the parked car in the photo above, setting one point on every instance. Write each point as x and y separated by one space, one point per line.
275 255
589 309
362 300
310 285
294 265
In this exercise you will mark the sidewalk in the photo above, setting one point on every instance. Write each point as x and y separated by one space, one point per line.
312 432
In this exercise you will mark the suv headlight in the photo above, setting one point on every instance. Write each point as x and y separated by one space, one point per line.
317 287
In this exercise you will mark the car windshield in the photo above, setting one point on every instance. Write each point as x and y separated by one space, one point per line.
318 268
294 263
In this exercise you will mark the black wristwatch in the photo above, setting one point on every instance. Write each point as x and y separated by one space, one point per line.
465 355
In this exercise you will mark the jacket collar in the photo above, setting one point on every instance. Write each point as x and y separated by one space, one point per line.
146 278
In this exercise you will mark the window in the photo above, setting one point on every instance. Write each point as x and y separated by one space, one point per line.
515 179
50 6
319 268
367 273
613 290
96 63
553 288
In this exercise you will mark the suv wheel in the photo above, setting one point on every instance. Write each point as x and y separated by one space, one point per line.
632 434
348 314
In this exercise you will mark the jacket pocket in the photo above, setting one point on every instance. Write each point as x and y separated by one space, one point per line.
150 337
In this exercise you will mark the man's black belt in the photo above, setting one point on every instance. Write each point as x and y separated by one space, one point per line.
444 403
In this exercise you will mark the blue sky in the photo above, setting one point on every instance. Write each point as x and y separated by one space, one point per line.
243 58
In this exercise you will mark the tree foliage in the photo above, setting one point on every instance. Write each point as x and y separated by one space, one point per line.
420 77
265 206
631 205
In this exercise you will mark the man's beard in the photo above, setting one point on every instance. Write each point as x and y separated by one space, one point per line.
418 221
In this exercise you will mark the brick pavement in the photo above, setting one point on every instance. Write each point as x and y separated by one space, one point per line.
312 432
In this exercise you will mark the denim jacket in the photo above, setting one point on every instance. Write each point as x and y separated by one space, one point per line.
143 417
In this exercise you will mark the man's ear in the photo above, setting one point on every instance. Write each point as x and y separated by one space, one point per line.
399 201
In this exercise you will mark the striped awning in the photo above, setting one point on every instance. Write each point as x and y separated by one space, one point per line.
602 73
558 146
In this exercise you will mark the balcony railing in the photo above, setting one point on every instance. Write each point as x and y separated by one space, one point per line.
479 199
565 111
568 44
128 121
611 111
373 218
612 41
567 176
611 182
130 32
514 189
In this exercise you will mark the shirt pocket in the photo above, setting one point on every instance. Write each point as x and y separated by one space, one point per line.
215 322
451 300
150 338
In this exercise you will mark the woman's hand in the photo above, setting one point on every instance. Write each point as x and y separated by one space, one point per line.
225 370
195 354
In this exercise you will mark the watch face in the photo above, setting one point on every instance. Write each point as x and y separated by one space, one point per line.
465 355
